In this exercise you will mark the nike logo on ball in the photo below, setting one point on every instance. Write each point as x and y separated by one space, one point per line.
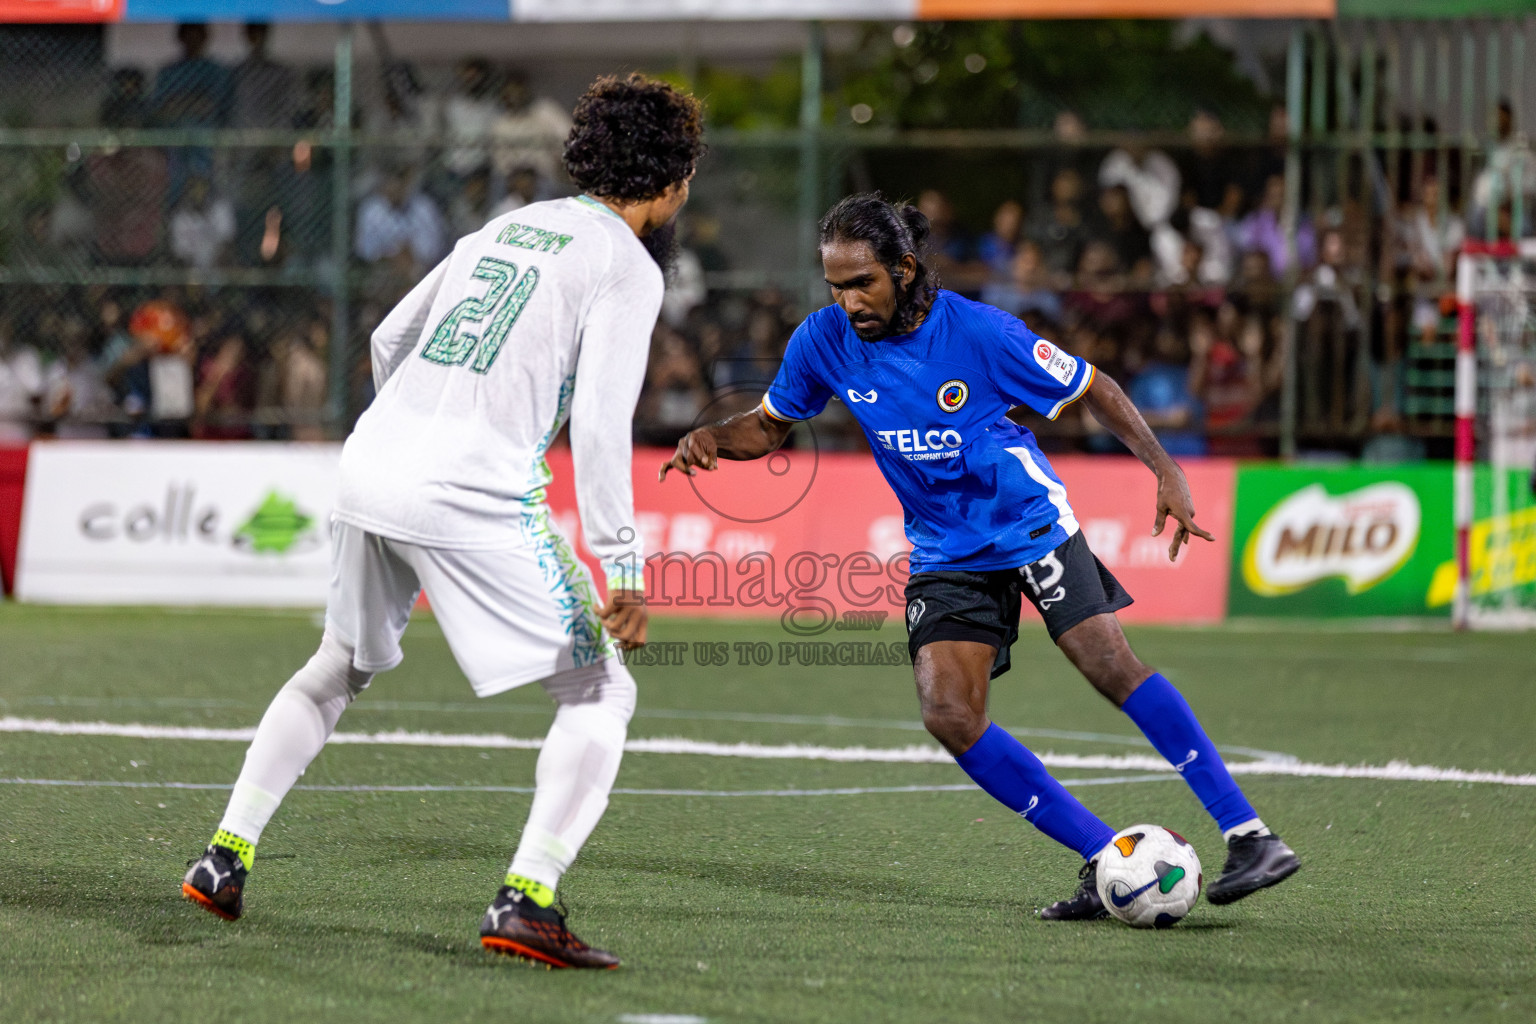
1125 901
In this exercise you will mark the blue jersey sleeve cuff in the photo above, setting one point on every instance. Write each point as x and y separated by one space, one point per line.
1082 389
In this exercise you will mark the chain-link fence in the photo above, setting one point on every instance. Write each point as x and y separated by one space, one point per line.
202 248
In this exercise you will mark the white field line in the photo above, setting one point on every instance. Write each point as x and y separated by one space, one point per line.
368 704
914 754
963 787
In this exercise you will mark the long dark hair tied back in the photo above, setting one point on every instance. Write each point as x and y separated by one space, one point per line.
891 230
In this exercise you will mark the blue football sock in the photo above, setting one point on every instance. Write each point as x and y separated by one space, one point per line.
1003 767
1163 715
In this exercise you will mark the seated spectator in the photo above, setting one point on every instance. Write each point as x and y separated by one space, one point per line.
1027 293
471 206
71 228
1161 390
1059 229
523 187
1101 306
1208 167
675 395
1263 231
1256 291
1151 181
203 226
951 252
263 93
528 131
686 290
126 104
82 403
1227 376
398 223
125 190
301 384
1431 240
1118 226
1200 228
155 372
24 383
1330 319
192 92
225 391
996 247
1511 166
467 119
265 96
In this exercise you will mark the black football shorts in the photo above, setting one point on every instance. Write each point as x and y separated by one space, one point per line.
1066 586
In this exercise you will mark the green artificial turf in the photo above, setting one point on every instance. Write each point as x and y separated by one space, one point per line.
1412 905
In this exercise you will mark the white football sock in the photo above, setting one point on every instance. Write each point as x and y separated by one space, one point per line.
1253 826
577 766
297 723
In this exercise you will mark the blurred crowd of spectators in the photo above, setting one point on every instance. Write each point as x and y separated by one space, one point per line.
223 358
1167 268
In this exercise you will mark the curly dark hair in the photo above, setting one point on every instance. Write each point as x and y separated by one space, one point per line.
892 230
633 137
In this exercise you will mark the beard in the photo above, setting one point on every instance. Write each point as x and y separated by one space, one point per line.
661 243
870 330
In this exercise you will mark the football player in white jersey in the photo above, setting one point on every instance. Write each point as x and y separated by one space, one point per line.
542 314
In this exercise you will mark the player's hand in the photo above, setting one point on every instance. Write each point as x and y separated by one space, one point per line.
697 448
1173 499
625 618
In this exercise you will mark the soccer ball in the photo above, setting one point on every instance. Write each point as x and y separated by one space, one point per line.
1149 877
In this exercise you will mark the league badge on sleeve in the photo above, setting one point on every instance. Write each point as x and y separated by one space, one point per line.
952 395
1055 362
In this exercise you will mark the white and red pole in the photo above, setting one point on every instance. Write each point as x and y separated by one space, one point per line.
1466 415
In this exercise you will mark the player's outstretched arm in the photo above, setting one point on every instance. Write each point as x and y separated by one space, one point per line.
1120 416
741 438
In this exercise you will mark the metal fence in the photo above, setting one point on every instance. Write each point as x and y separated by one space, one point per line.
203 250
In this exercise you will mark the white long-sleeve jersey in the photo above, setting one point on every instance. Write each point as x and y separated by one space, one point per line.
544 313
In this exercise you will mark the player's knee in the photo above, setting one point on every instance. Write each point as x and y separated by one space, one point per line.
608 684
331 674
954 723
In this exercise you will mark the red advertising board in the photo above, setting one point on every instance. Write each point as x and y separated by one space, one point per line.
821 535
53 11
13 476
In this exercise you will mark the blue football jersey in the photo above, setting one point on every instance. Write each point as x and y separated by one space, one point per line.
976 491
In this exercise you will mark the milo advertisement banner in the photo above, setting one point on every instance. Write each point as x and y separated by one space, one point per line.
1322 541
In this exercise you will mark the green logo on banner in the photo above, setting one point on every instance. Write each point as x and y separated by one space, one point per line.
277 526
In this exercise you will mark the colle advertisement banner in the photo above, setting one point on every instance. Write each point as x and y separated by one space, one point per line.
177 523
1345 541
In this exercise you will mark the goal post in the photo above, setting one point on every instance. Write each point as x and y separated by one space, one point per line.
1495 445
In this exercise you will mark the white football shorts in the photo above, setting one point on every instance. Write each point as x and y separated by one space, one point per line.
511 616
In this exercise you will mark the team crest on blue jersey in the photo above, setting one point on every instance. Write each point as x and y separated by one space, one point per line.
952 395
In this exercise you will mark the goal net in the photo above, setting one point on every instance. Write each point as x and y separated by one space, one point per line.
1495 510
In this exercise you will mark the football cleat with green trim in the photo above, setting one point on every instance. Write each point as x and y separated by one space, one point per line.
516 926
216 882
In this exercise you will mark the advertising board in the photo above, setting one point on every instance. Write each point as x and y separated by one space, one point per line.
812 539
830 533
1345 541
178 523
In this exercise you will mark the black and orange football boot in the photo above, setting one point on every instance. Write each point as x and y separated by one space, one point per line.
1083 905
516 926
216 882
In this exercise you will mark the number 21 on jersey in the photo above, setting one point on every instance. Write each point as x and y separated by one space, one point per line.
479 327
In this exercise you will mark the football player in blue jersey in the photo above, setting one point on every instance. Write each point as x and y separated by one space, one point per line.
930 377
